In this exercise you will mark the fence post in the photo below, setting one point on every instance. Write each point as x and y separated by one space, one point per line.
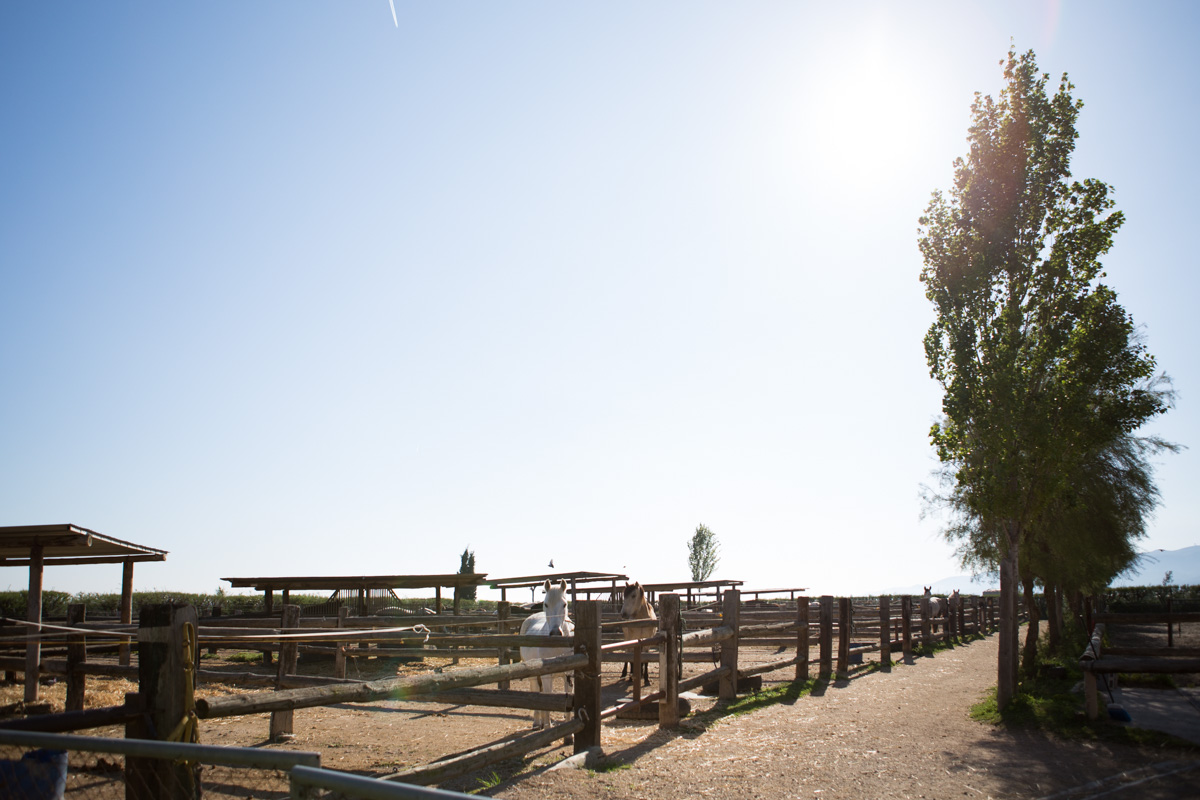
126 610
586 702
950 623
217 611
281 721
166 653
730 607
339 653
503 612
845 620
76 655
802 638
33 613
826 637
926 624
962 617
668 661
906 625
885 631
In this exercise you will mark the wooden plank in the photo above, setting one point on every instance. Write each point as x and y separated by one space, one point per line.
802 639
237 705
76 655
843 658
729 649
587 677
825 637
1139 664
33 613
282 721
477 759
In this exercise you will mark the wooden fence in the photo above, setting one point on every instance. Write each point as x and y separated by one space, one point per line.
1100 664
725 636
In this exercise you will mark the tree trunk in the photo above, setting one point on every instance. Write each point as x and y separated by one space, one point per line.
1006 666
1029 655
1054 617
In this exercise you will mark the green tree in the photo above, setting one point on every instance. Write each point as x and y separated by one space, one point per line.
703 549
1039 363
466 566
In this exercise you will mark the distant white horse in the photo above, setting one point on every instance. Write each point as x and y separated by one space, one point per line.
954 602
937 605
551 622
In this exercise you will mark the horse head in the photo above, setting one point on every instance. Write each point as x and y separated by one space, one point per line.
634 605
555 607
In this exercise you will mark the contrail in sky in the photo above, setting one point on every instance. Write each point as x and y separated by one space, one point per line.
392 3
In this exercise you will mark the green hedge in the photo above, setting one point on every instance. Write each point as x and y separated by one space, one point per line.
1148 599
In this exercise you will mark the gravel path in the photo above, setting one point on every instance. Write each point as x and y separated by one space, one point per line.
903 734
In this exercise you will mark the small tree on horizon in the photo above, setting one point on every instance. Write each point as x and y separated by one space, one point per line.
466 566
702 553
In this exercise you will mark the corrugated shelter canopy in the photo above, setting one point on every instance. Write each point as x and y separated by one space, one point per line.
69 544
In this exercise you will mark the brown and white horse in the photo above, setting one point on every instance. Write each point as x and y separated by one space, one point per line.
637 607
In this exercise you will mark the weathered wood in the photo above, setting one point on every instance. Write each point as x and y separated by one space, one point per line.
587 676
825 637
885 631
926 621
76 655
339 656
906 625
843 659
77 720
729 648
719 674
1139 664
668 661
503 612
477 759
720 633
165 663
254 703
1160 616
802 638
33 613
761 669
282 721
126 609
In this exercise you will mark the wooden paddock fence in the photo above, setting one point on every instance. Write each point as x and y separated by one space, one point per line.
1101 664
840 629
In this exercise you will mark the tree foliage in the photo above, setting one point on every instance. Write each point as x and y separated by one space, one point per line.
466 566
1045 380
703 553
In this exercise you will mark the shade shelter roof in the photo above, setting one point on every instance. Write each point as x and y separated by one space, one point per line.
527 581
321 583
69 545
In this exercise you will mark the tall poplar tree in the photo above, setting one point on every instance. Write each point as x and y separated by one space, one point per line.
1040 365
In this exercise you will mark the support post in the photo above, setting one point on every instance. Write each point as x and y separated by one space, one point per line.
845 621
166 649
282 721
731 601
906 623
586 701
802 638
885 631
33 613
826 637
503 612
669 659
126 609
926 625
339 655
216 612
76 655
962 617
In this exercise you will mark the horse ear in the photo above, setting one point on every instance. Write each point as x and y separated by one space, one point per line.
562 585
546 585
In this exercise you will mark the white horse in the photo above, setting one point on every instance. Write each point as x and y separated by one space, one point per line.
551 622
637 607
937 605
954 602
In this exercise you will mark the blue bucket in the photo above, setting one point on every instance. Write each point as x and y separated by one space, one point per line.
39 775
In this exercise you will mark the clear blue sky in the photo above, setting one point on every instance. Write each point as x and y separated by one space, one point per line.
288 289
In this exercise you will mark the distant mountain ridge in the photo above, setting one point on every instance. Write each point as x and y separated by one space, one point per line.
1183 564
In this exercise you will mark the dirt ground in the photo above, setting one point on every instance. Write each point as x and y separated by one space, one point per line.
901 733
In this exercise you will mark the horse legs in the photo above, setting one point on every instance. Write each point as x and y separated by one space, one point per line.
542 683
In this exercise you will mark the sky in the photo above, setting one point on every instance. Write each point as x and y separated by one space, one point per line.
287 288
